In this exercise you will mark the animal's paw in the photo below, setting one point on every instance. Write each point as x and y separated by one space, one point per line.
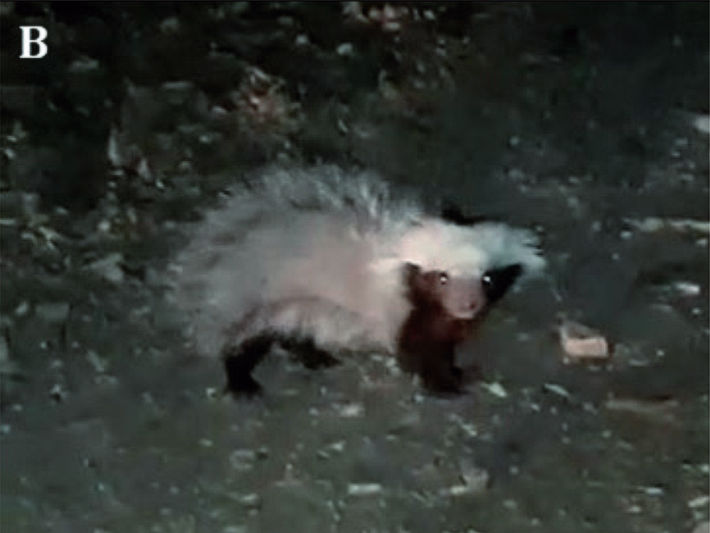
445 383
245 387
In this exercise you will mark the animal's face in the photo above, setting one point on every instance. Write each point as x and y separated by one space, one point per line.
461 297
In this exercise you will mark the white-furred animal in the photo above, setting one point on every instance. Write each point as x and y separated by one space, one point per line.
324 260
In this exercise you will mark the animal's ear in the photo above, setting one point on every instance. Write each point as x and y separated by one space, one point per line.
496 282
411 276
410 272
415 284
450 212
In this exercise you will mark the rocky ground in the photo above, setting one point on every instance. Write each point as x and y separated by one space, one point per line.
583 121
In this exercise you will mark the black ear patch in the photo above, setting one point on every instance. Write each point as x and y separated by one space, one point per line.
452 213
410 271
497 282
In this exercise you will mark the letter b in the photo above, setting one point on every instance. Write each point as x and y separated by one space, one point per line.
28 40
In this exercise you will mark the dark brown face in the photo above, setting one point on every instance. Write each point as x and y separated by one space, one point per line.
460 297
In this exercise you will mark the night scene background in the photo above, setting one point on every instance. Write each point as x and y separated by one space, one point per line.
585 121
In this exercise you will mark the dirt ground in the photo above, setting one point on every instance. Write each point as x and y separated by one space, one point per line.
582 120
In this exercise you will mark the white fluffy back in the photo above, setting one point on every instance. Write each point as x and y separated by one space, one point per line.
318 253
470 250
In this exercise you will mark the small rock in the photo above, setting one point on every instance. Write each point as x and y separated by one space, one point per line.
653 491
114 151
496 389
337 446
702 123
516 174
510 504
476 479
686 288
457 490
251 500
345 50
235 529
353 10
22 309
350 410
242 459
58 393
389 17
662 410
84 64
699 502
342 126
468 428
104 226
170 25
98 363
654 224
556 389
581 342
143 169
108 267
52 312
364 489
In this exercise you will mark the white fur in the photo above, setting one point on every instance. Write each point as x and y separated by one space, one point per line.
319 253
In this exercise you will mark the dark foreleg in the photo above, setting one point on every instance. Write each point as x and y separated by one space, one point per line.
438 372
434 364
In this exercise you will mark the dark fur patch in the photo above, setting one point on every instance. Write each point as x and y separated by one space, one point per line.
453 213
496 282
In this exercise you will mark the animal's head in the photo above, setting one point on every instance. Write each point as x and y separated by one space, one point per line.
461 297
465 269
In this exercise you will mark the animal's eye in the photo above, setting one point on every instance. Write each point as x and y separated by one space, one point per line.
443 278
487 281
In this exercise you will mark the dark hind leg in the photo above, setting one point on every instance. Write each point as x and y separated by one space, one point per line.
239 362
306 351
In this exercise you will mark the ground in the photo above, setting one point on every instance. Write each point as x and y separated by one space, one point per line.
578 120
